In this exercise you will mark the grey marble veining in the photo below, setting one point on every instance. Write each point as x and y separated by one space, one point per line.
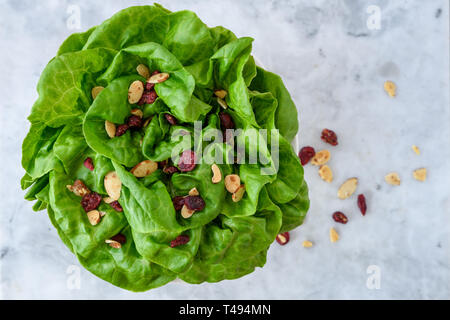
334 67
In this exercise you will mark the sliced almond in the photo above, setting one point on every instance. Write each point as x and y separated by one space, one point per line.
137 112
144 168
158 78
325 173
392 178
334 236
232 182
94 217
347 188
143 71
186 212
147 121
95 91
102 213
220 93
113 243
238 194
307 244
108 200
222 103
420 174
416 150
113 185
390 88
321 157
135 92
110 129
217 174
194 192
79 188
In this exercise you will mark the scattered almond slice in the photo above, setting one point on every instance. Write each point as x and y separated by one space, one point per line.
334 236
390 88
420 174
113 185
238 194
143 71
79 188
321 157
135 92
325 173
217 174
347 188
137 112
194 192
110 129
307 244
220 93
108 200
232 183
113 243
186 212
158 78
222 103
102 213
96 91
392 178
416 149
94 217
144 168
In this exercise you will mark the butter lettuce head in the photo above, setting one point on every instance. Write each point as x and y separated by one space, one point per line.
227 239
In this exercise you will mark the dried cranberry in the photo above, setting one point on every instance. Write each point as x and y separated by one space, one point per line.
227 135
120 238
89 164
170 169
362 204
194 203
340 217
187 161
179 241
121 130
149 86
283 238
148 97
155 72
91 201
306 154
162 164
171 119
178 202
134 122
329 137
116 206
226 121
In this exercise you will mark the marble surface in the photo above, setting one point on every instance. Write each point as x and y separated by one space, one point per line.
335 67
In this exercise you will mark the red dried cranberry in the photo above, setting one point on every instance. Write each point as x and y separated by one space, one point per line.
148 97
121 130
170 169
179 241
171 119
149 86
116 206
178 202
187 161
120 238
329 137
89 164
155 72
306 154
340 217
362 204
91 201
283 238
134 122
162 164
228 135
194 203
226 121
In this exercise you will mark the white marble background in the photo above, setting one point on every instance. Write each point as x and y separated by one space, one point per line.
335 67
